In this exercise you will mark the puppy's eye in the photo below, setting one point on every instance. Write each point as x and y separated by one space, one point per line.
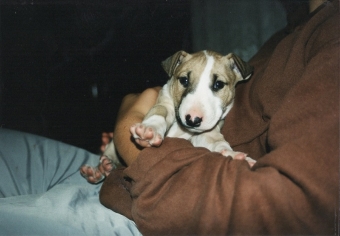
184 81
218 85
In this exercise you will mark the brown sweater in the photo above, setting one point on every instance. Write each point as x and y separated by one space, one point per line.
286 117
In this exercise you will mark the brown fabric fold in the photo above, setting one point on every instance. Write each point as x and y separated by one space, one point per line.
114 193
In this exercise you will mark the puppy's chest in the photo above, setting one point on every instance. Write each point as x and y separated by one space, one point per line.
177 131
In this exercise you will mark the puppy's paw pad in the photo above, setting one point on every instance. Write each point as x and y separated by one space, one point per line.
156 140
146 136
91 174
141 131
105 165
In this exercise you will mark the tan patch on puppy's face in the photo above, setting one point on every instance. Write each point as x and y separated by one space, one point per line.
222 73
190 69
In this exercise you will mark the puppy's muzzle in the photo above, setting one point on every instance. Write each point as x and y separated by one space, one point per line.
196 122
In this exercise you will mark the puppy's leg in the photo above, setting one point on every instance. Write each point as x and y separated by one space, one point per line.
107 162
156 123
215 142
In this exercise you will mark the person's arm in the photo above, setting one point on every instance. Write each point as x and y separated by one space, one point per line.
133 109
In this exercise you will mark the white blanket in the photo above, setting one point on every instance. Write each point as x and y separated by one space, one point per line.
42 192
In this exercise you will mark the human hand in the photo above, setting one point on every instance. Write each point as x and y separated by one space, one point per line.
106 139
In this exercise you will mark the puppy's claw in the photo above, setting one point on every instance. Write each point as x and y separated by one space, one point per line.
250 161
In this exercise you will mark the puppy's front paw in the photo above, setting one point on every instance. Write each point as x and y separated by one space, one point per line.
146 136
91 174
97 174
238 156
233 154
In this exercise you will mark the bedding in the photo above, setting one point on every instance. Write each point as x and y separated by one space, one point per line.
42 192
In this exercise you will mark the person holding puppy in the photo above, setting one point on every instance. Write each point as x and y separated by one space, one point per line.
286 117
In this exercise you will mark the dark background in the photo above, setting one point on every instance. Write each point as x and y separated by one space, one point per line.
66 64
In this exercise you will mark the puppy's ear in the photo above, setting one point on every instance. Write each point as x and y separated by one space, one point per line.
171 63
241 68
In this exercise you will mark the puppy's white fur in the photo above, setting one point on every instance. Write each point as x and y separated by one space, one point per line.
201 85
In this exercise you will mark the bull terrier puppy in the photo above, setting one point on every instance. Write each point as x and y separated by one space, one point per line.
191 105
195 100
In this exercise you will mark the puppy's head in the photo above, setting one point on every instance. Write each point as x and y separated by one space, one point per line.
203 86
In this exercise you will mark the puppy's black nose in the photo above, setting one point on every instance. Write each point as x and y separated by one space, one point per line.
193 123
